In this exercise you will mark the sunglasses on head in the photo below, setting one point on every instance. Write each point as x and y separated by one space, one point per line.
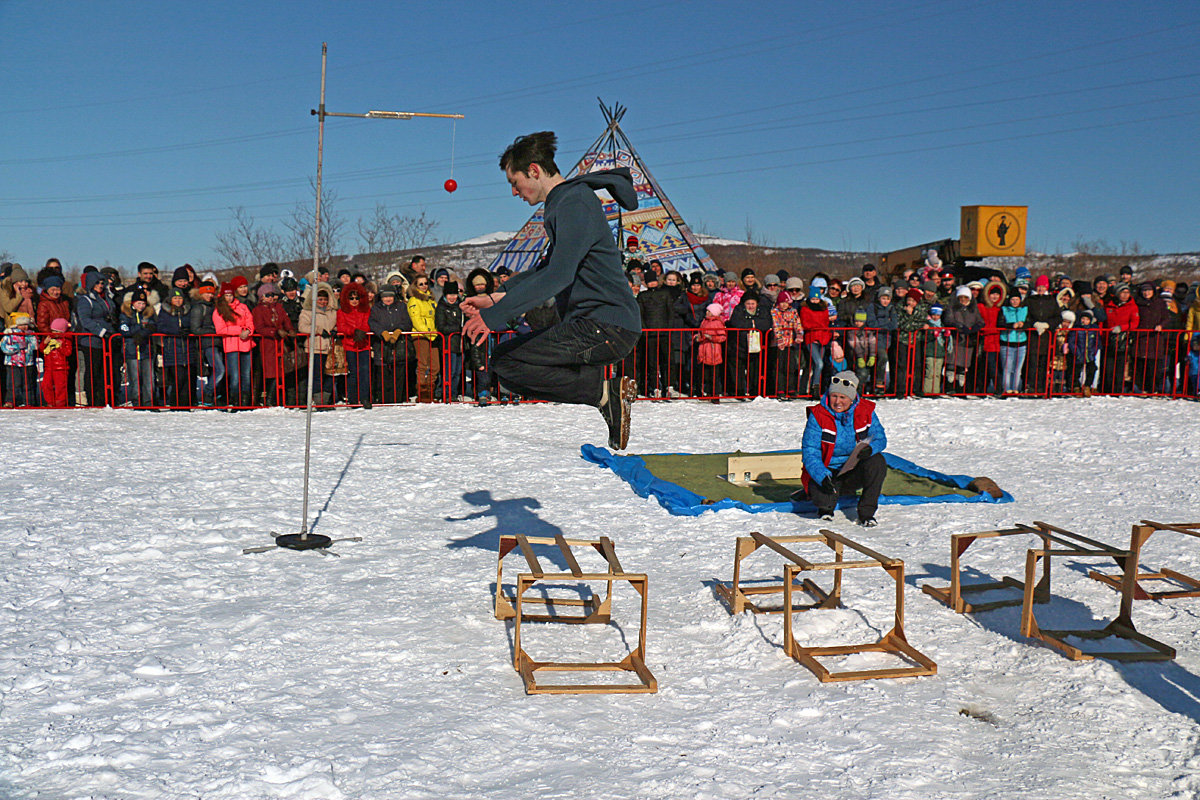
836 381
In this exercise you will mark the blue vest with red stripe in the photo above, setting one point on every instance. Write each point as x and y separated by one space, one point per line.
862 427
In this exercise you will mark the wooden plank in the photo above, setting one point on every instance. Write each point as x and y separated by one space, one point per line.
866 551
565 548
779 466
1079 537
767 541
530 556
610 555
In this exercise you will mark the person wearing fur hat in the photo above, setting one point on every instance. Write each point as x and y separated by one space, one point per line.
275 332
234 323
963 318
842 449
177 348
318 330
136 324
19 345
990 379
422 310
392 348
56 355
710 352
1123 319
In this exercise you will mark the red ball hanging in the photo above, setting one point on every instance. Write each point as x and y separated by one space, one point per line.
450 185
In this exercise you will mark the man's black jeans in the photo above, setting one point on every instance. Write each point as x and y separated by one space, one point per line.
563 363
867 475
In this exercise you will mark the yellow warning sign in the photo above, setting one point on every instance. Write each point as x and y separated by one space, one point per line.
993 231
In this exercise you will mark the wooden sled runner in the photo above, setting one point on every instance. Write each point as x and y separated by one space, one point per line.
1190 587
592 609
794 578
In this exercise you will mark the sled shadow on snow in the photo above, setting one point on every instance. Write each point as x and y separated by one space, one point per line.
1167 683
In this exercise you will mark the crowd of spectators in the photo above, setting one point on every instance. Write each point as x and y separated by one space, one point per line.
197 342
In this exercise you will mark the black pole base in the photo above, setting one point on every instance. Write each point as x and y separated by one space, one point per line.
300 541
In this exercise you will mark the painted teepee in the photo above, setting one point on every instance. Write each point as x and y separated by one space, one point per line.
654 231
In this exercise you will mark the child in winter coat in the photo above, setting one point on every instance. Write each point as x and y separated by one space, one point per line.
788 333
1060 356
939 345
837 357
881 318
1083 345
710 353
1193 366
862 343
19 346
56 352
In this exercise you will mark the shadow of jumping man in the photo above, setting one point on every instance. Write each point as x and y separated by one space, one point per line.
512 517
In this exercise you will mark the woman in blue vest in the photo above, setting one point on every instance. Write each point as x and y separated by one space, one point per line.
843 450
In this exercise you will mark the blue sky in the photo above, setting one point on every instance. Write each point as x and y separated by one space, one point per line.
131 129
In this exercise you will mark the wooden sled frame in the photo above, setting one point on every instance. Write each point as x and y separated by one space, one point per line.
1121 627
893 642
954 594
1137 541
737 596
598 612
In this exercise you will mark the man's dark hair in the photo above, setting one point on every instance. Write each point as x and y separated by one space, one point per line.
535 148
415 260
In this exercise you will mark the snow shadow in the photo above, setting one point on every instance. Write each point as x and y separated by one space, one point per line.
1165 682
513 516
338 483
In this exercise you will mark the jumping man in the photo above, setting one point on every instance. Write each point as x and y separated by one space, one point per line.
581 270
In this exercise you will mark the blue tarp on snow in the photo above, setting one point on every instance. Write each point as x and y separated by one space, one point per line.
685 503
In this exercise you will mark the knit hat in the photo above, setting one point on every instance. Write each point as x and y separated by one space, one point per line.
1023 272
1019 282
1042 282
269 268
715 309
266 289
975 285
1167 286
819 283
771 279
450 287
180 274
935 310
56 280
853 281
860 315
502 270
206 287
884 290
19 318
387 290
748 271
962 291
209 277
814 291
929 286
794 283
227 287
239 280
845 384
1147 285
695 280
731 276
1086 312
59 325
288 284
1121 287
137 295
1069 316
177 292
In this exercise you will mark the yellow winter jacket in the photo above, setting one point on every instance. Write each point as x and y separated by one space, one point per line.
421 309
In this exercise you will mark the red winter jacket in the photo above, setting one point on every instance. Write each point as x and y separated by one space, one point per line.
1124 316
816 322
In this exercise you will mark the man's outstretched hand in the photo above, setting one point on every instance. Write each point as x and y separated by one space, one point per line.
471 306
474 328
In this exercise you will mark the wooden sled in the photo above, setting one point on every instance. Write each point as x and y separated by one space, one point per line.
596 611
954 594
1079 546
893 642
737 593
1137 541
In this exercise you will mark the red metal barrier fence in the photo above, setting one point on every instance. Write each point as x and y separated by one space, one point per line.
186 372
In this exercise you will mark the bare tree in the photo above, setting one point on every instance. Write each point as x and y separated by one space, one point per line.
246 242
298 244
384 232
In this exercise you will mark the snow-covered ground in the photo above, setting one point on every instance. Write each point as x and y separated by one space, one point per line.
145 656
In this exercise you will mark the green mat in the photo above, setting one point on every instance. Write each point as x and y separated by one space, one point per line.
703 473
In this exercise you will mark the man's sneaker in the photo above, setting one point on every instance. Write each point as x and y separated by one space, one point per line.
827 516
616 402
868 522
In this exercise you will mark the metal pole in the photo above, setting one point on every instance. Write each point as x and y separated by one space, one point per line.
312 334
